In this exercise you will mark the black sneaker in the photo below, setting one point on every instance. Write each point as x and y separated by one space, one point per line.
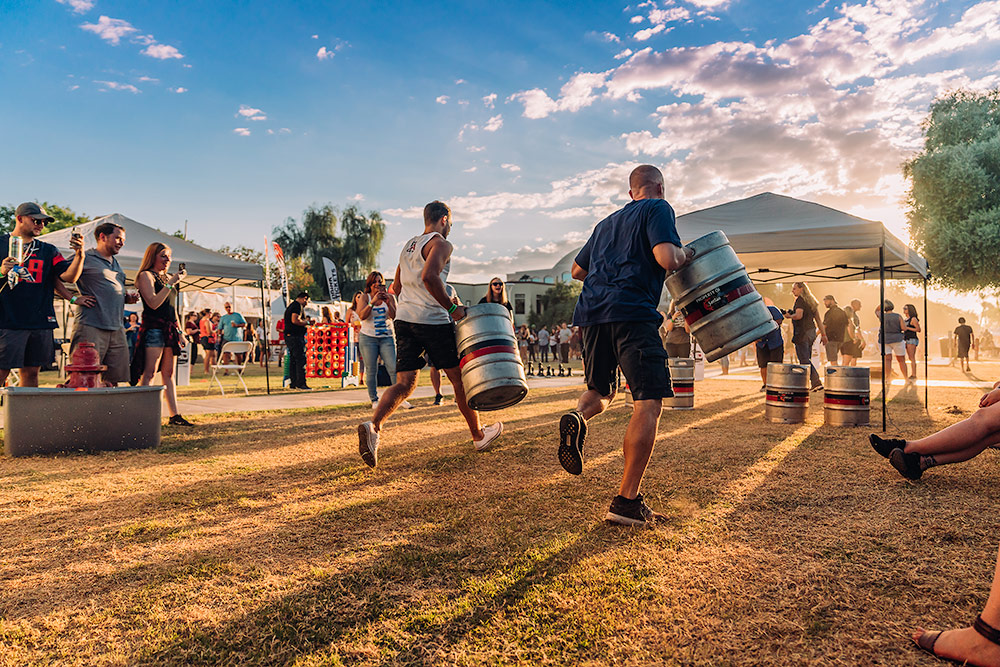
627 512
437 399
908 465
572 432
884 446
177 420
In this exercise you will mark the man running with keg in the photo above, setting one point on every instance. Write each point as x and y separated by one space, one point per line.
425 317
622 267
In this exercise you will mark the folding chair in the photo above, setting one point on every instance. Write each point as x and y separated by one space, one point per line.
233 348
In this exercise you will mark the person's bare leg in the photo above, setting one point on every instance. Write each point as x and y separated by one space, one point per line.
911 352
167 375
436 381
393 397
888 368
638 446
29 376
152 364
967 645
902 365
471 416
591 403
763 374
981 426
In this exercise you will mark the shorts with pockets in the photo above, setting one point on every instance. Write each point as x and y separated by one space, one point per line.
633 346
25 348
437 340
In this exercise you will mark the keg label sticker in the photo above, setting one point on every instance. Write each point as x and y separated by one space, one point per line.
683 387
788 396
717 298
846 399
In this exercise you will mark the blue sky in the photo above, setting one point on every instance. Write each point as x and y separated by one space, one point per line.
525 116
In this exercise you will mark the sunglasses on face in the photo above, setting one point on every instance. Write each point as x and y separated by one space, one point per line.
497 284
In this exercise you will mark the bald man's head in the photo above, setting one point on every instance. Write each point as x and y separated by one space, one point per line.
645 182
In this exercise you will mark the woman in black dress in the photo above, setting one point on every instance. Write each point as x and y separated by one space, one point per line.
911 327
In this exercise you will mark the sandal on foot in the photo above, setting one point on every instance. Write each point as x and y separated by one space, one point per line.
927 639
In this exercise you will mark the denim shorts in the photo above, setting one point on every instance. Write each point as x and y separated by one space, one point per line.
155 338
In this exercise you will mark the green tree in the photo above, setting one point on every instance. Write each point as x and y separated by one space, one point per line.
253 256
64 217
558 303
354 250
954 196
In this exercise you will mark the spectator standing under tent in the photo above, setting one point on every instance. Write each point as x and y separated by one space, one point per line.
232 325
835 325
193 334
911 329
804 315
964 340
854 339
131 334
207 331
894 345
160 338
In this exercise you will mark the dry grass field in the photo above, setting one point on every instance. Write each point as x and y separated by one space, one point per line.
263 539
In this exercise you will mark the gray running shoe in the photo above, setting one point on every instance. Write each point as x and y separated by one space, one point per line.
368 444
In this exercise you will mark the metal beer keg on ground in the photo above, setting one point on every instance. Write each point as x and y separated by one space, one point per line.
718 299
682 380
847 395
492 373
787 393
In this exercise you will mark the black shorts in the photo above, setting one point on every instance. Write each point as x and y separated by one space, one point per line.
412 340
766 356
25 348
963 350
633 346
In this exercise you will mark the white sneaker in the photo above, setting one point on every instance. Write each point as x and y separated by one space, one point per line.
374 404
490 434
368 444
406 405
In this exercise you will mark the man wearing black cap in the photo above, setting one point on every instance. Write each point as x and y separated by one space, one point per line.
835 323
26 314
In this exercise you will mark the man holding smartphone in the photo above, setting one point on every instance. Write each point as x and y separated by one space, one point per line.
100 308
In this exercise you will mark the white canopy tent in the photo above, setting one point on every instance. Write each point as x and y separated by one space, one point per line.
206 268
782 239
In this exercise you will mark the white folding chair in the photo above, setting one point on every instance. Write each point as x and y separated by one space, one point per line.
233 348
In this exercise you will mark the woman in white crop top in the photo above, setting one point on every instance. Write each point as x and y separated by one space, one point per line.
376 308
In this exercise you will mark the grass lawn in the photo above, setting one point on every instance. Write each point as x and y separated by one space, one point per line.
263 539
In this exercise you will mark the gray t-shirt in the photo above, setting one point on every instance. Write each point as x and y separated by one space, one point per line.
893 328
105 281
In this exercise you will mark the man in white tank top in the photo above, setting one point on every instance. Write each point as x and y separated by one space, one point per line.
425 318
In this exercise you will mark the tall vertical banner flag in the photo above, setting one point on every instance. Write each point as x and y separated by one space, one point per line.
331 279
279 259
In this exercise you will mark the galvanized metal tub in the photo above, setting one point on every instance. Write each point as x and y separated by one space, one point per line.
787 398
492 372
682 381
847 396
718 299
49 421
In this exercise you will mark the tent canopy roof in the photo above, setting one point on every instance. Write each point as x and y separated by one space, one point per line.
781 239
206 268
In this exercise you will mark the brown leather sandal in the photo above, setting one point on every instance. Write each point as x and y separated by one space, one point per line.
927 640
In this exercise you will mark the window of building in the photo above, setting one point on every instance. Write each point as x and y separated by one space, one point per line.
519 304
550 280
567 276
538 304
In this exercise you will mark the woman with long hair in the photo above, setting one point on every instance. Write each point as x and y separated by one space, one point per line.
327 316
376 308
497 293
160 336
911 327
805 321
352 320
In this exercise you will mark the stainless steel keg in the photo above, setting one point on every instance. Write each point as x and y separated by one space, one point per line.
847 396
492 372
682 381
787 388
718 299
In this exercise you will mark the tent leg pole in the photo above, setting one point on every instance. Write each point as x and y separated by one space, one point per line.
927 353
881 346
267 330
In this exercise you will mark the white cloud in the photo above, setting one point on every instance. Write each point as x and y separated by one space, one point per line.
323 54
315 36
459 82
623 54
242 131
251 113
494 123
476 149
490 100
148 79
442 99
110 30
637 19
470 170
575 95
284 130
357 197
510 167
105 86
178 89
646 33
162 52
78 6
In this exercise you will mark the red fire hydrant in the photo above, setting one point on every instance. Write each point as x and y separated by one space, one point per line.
85 368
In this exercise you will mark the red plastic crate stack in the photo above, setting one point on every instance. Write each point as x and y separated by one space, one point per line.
326 351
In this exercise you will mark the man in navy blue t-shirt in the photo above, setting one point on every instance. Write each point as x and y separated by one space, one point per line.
622 267
26 314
